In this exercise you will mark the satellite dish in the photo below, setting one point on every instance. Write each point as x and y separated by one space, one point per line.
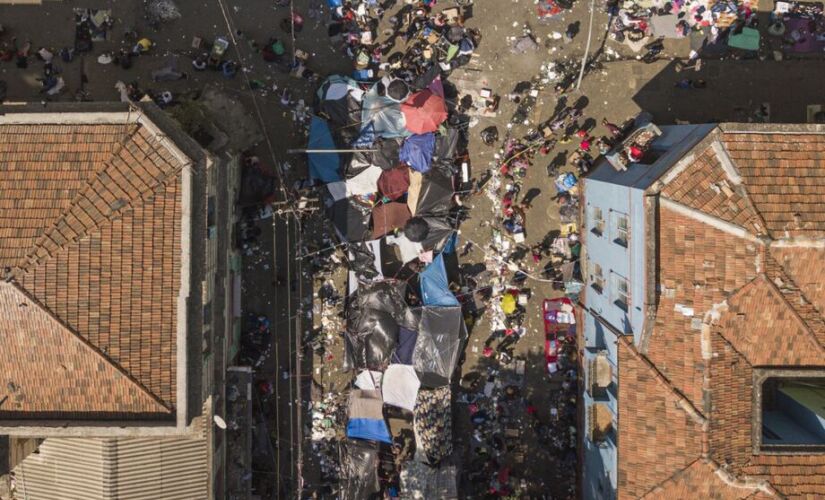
219 421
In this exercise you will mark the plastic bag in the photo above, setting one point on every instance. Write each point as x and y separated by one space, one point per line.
490 135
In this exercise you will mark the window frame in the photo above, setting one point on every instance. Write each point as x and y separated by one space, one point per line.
621 235
760 376
620 299
597 223
597 278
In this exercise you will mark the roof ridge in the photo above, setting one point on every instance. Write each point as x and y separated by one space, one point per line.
682 400
806 313
43 307
48 244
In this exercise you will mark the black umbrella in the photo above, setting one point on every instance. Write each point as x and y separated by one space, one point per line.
416 229
398 90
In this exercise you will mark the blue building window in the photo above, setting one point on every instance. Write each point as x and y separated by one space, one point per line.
597 221
621 230
621 292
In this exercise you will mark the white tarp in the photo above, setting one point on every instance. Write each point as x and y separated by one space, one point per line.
364 183
409 250
400 386
368 380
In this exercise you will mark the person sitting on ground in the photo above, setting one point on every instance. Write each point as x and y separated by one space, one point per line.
201 62
273 50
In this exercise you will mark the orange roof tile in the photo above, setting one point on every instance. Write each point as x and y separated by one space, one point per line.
94 237
701 480
784 175
47 368
657 438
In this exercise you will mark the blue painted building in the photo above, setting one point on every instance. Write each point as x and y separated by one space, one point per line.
618 231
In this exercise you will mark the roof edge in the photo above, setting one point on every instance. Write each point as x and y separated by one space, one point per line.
771 128
710 220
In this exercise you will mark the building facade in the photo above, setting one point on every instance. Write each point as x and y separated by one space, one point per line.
694 257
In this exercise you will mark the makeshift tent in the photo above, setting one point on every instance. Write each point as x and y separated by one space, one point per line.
369 380
322 166
366 417
365 259
748 39
375 313
436 194
366 138
394 183
440 334
388 217
420 481
416 229
407 249
416 179
406 344
439 231
359 470
435 290
384 113
424 112
446 144
400 386
349 218
365 182
384 153
417 151
398 90
337 87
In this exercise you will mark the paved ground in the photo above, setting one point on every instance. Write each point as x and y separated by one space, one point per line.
616 91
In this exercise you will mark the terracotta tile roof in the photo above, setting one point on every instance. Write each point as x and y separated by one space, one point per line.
95 239
765 329
704 267
784 175
47 368
804 267
705 187
657 438
701 480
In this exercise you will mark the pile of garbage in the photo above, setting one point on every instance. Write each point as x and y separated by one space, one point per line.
327 418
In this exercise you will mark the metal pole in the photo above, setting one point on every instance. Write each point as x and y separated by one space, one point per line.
299 151
587 48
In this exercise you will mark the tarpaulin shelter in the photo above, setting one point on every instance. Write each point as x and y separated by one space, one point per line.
369 380
446 144
365 259
349 219
420 481
322 166
375 313
366 417
366 182
417 151
436 194
384 113
435 289
424 112
337 87
400 386
438 234
398 90
406 345
339 100
394 183
416 229
388 217
359 470
384 153
441 332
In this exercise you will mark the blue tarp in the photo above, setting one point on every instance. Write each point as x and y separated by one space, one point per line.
406 346
384 114
334 3
452 243
366 139
368 428
322 166
435 289
417 151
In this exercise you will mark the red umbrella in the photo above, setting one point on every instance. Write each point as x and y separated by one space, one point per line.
424 112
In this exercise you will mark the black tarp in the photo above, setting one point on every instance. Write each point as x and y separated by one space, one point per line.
385 157
446 144
362 262
343 115
441 332
439 231
423 80
350 219
359 469
374 315
436 194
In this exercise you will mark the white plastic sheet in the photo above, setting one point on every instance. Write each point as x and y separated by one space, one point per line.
400 386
